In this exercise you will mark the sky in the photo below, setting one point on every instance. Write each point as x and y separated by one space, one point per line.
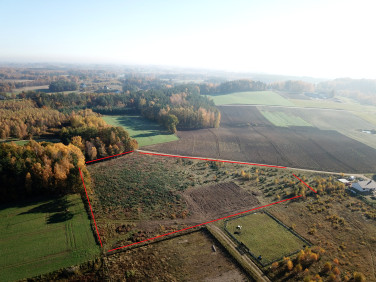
325 39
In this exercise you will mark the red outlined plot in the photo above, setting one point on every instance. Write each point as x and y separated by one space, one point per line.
194 226
92 214
214 220
305 184
109 157
212 160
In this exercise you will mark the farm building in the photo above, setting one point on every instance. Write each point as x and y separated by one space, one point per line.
366 186
344 181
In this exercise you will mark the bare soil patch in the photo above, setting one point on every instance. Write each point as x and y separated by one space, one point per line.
214 201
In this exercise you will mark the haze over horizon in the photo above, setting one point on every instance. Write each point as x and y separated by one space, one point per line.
301 38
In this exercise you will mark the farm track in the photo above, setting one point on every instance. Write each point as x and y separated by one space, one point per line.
259 275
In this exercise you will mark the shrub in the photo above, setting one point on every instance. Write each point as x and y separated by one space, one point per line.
336 271
289 265
327 267
359 277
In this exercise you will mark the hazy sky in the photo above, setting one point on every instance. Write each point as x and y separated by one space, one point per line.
316 38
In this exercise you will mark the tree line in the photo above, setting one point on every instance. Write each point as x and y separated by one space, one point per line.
40 168
176 107
48 168
23 119
94 137
240 85
62 85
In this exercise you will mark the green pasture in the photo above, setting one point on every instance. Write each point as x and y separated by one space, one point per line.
284 119
346 104
264 236
251 98
42 236
144 131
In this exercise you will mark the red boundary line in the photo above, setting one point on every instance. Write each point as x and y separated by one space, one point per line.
187 228
109 157
92 214
212 160
201 224
305 184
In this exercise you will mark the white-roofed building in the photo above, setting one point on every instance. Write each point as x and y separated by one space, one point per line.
365 186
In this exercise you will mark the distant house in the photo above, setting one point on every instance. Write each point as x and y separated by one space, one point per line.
365 186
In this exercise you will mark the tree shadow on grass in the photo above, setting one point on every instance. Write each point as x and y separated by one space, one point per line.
138 123
57 210
151 134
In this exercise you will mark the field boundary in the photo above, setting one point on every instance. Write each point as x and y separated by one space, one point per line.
194 226
244 248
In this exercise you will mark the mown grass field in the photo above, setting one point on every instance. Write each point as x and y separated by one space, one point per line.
23 142
144 131
264 236
251 97
327 104
284 119
42 236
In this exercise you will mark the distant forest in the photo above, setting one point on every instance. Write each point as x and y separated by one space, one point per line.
179 107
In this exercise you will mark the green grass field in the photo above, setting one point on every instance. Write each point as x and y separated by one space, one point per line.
23 142
251 97
264 236
283 119
347 104
42 236
144 131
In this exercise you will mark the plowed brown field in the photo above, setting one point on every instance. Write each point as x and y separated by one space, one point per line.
245 135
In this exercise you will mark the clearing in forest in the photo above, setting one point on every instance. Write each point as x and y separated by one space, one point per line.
146 132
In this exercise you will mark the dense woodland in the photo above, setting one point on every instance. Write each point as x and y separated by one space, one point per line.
294 86
232 86
63 85
40 168
94 137
179 107
362 90
24 119
48 168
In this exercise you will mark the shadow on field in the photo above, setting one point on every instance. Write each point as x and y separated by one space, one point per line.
138 123
151 134
58 210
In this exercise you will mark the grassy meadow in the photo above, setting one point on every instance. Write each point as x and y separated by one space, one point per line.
144 131
284 119
42 236
251 97
264 236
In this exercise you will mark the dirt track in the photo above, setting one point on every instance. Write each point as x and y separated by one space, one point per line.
256 272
